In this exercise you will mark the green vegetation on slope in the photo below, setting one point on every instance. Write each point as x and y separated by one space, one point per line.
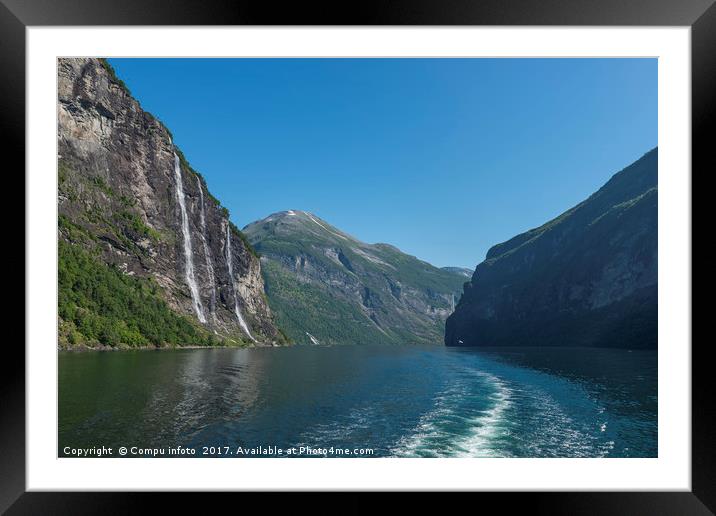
298 305
113 75
236 231
98 303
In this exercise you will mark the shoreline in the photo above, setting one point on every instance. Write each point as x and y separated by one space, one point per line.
102 348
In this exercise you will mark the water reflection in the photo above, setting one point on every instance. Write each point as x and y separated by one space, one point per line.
400 401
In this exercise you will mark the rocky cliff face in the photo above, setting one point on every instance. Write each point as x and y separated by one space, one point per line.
586 278
329 287
139 207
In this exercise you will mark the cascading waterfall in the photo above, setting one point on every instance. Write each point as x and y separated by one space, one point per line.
207 251
242 323
188 255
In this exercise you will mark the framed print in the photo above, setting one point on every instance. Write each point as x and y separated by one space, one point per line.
420 248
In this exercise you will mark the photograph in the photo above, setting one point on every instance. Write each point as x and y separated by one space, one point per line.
413 247
357 257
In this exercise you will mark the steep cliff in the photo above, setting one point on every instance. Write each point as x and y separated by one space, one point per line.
328 287
586 278
138 228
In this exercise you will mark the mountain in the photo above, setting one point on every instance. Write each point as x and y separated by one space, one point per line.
462 271
147 256
327 287
586 278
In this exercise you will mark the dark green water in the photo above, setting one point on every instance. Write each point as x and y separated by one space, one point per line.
396 401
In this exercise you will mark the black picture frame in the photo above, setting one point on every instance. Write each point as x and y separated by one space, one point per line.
700 15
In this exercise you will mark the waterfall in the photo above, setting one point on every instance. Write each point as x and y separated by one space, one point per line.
207 251
188 255
242 323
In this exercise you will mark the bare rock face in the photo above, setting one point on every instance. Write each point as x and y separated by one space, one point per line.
586 278
118 182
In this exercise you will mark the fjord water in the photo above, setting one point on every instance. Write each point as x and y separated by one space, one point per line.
399 401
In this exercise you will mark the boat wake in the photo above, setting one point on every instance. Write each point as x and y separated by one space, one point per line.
455 428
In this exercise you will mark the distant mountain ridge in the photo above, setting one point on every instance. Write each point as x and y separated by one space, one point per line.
585 278
462 271
326 286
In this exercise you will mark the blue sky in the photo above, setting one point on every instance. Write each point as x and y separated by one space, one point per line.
442 158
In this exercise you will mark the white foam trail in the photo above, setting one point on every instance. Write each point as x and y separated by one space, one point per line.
242 323
486 426
561 435
429 435
207 251
188 254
